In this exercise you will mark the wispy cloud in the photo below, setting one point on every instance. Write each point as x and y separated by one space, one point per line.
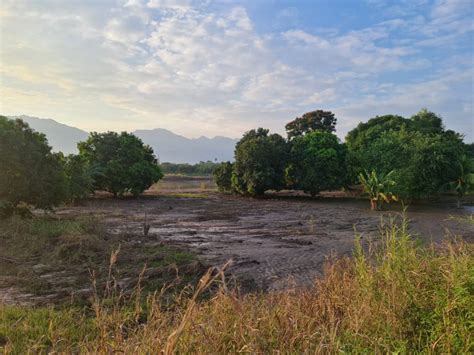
200 69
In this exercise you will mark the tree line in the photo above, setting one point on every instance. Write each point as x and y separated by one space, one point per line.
32 175
391 156
202 168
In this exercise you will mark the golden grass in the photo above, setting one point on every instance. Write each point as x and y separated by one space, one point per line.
396 297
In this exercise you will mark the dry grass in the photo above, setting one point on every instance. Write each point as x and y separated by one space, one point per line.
396 298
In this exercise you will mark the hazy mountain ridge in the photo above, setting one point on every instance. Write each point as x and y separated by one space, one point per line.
167 145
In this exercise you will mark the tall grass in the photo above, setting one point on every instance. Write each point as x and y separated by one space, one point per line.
394 297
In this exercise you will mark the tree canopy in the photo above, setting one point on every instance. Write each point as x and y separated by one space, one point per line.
318 120
317 163
30 173
260 161
124 162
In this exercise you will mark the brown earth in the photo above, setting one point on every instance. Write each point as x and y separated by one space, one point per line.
270 240
275 242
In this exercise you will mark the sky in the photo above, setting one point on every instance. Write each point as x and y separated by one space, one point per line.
224 67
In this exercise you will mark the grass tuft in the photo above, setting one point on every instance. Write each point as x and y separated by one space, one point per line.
396 297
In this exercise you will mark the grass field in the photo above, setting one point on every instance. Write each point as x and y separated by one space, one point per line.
397 297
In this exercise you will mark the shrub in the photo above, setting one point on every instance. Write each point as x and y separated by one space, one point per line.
223 176
379 187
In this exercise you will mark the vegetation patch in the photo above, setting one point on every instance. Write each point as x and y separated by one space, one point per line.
397 297
53 259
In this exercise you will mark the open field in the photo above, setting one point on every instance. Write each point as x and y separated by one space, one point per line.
274 242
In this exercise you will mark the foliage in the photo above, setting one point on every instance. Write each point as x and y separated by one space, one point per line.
464 181
79 177
426 122
422 158
317 163
402 298
318 120
367 133
202 168
125 163
260 161
223 176
30 173
379 188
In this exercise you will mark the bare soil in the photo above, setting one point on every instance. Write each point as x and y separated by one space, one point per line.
274 241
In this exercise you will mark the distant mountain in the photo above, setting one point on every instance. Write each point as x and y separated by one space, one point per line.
175 148
60 136
167 145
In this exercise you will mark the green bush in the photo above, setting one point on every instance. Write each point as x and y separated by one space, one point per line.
223 176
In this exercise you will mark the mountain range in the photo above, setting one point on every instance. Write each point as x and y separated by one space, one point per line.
168 146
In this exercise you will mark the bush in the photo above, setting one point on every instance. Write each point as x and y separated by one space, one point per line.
124 162
317 163
223 176
260 161
30 173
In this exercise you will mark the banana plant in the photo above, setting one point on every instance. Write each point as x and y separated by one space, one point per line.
464 182
378 187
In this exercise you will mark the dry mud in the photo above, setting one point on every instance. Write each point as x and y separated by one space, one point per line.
273 242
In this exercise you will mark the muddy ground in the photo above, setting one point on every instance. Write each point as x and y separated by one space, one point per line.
270 240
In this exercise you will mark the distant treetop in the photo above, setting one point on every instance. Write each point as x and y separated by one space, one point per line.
318 120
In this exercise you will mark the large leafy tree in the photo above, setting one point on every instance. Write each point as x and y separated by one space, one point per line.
260 160
426 122
317 163
366 133
124 162
318 120
80 177
421 163
30 173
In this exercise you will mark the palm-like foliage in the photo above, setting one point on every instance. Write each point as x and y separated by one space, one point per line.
378 187
464 182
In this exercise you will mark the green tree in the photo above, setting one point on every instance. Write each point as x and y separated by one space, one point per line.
426 122
124 162
421 163
223 176
30 173
378 187
260 161
79 177
464 180
317 163
318 120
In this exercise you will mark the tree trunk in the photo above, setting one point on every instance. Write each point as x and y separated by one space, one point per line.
459 203
373 205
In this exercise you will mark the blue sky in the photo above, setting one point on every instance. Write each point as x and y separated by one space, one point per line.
224 67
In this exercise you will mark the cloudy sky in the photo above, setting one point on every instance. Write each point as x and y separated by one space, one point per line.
223 67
